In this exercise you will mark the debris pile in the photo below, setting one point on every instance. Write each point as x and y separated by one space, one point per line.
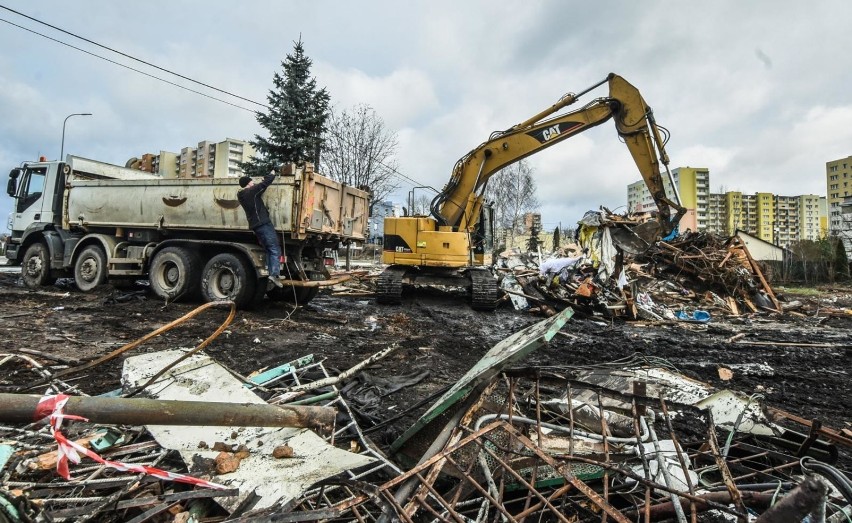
186 439
613 271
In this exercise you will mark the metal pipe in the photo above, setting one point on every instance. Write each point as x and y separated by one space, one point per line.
664 468
662 511
22 408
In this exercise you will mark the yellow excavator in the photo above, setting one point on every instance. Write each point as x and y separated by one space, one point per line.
449 247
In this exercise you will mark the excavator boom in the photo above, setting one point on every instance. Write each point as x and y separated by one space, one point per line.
459 202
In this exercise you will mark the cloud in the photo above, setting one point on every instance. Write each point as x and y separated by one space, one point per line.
767 62
403 97
757 94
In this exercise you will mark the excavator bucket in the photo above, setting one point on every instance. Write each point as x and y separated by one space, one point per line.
636 240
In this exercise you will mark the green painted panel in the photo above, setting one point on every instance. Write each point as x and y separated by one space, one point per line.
495 360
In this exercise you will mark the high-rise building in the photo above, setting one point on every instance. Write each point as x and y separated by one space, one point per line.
693 186
838 179
208 160
813 218
781 220
532 220
166 164
716 212
236 152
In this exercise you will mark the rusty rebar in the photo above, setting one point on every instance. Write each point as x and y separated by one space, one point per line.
121 350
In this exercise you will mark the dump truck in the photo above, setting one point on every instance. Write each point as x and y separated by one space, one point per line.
100 223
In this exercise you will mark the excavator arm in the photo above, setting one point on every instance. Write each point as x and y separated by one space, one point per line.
458 205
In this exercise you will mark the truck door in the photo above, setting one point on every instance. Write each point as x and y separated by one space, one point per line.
30 205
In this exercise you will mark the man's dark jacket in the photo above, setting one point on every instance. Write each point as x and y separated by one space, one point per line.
249 198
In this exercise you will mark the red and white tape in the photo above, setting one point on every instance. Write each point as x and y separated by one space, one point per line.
52 406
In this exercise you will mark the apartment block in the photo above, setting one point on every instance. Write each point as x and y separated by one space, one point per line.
165 164
716 213
781 220
207 160
813 217
838 178
532 220
230 154
693 186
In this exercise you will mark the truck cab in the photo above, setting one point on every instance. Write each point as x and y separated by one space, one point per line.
37 190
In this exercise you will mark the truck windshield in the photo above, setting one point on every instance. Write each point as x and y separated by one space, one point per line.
32 187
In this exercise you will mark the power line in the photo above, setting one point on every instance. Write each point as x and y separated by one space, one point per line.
127 66
149 64
393 170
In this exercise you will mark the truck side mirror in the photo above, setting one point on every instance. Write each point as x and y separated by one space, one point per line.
12 186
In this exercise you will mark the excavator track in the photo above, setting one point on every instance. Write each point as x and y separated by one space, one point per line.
389 286
484 292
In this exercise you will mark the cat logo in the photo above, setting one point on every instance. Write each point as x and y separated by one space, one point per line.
550 132
560 130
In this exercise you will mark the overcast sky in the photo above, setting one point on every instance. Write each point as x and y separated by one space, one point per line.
758 92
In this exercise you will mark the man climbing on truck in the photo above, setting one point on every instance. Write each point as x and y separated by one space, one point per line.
257 214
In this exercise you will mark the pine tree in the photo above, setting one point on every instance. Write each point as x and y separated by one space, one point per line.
534 241
556 239
296 118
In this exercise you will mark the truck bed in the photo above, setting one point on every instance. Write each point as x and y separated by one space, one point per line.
301 204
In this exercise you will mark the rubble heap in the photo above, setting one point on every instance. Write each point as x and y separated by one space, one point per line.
625 440
612 271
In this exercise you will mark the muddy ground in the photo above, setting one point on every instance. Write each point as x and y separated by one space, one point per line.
438 334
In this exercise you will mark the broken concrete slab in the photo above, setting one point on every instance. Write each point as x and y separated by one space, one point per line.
259 475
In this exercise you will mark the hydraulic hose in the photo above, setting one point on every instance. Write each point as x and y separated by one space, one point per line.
837 478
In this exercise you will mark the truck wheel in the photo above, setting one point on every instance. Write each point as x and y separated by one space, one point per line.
35 267
306 294
174 274
298 295
90 269
228 277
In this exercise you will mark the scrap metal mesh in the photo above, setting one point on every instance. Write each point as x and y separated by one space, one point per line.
499 467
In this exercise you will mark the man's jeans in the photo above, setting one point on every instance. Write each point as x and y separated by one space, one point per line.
269 239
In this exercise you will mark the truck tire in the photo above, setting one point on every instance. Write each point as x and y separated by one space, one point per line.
35 266
298 295
90 269
175 273
227 277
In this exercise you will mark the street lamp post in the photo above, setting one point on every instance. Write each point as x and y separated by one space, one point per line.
62 149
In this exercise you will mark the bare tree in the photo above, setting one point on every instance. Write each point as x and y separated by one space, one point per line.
359 151
513 193
421 205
